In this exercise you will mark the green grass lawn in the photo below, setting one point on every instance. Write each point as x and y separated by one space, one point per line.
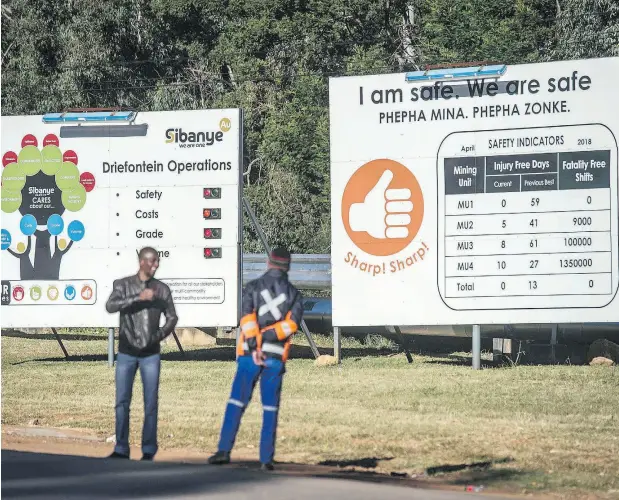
545 428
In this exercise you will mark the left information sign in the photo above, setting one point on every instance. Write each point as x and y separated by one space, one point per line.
80 201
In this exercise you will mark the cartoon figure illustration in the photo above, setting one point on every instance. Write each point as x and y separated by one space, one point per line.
86 292
52 292
18 293
69 292
42 184
35 292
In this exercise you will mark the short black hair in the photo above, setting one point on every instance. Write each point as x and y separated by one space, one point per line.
281 252
145 251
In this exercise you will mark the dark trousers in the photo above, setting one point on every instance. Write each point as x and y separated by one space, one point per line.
246 377
126 367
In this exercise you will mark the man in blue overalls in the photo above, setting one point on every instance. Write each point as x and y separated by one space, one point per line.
271 313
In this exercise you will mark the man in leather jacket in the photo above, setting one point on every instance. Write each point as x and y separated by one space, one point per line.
271 312
141 299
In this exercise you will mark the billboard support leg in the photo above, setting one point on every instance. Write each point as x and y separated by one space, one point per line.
110 347
337 344
59 340
310 339
267 249
256 225
404 344
476 347
553 344
178 343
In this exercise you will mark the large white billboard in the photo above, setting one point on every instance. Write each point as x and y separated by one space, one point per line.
78 203
478 200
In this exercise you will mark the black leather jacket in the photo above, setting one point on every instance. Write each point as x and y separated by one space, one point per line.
275 301
139 332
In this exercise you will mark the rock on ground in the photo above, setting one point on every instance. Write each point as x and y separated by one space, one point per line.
604 349
325 360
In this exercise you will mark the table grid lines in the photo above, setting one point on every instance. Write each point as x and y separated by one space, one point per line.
508 182
538 212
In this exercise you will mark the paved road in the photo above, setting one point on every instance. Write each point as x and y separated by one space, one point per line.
50 477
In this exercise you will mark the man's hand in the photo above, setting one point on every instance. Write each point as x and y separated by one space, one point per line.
147 294
258 357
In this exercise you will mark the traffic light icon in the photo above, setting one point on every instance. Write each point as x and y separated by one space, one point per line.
212 193
211 213
212 233
212 253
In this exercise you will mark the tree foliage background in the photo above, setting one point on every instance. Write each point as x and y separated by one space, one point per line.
273 58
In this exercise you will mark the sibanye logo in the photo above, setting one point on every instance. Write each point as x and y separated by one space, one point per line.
197 139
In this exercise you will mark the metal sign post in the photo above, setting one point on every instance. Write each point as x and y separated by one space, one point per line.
476 347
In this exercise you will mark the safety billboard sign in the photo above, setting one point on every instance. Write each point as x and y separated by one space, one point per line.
477 195
79 200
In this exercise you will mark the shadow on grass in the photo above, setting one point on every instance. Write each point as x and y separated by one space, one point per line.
441 469
487 478
479 473
17 334
368 463
476 473
455 360
219 353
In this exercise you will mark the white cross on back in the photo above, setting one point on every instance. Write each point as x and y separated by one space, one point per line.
271 304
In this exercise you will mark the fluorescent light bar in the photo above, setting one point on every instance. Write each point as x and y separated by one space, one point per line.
95 116
456 73
103 131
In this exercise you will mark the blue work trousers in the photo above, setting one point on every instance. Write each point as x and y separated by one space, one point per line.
247 374
126 368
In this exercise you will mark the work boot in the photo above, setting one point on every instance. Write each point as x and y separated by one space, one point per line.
267 467
220 458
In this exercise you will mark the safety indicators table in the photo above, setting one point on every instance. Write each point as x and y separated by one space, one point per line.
527 218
